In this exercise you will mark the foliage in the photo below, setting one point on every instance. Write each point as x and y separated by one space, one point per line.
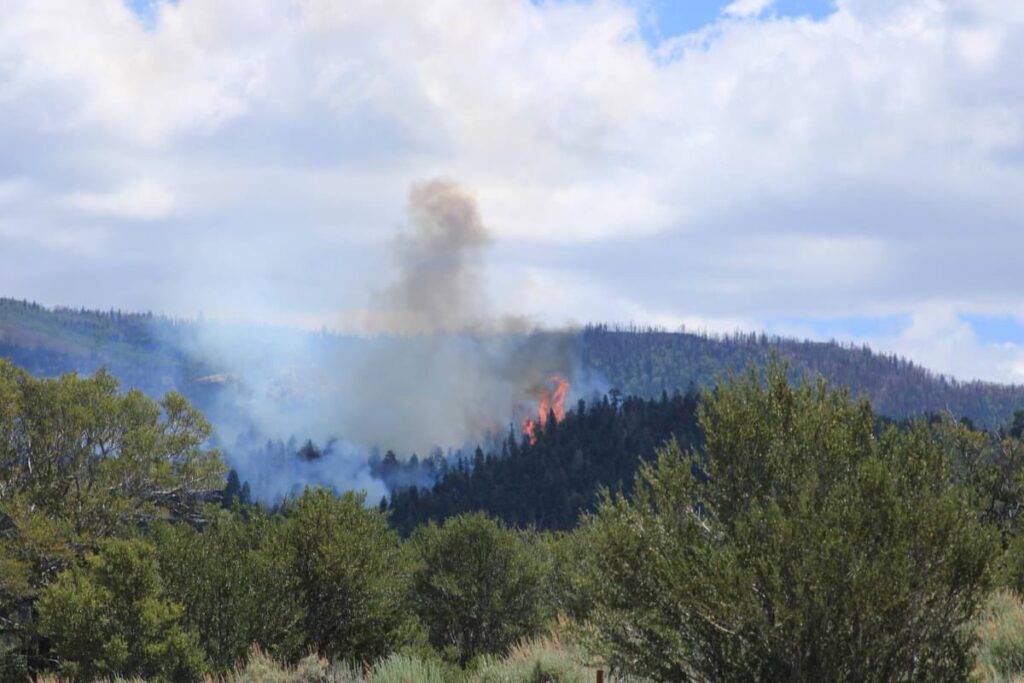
478 587
152 353
811 550
145 351
990 465
782 534
80 462
233 579
111 617
565 556
396 668
400 668
1010 568
347 574
546 659
101 461
260 667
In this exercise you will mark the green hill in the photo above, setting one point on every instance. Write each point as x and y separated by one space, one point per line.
644 362
150 352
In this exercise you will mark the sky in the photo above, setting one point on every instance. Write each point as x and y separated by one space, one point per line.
848 169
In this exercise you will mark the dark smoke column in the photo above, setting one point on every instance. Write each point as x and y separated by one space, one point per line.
438 285
444 370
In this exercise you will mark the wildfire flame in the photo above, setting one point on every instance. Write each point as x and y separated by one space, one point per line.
549 402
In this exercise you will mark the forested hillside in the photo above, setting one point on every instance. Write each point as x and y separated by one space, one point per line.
644 362
150 353
138 348
547 484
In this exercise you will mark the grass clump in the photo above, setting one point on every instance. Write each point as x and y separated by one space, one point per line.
1000 646
544 659
260 667
400 668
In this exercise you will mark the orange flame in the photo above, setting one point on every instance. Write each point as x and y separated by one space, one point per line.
553 402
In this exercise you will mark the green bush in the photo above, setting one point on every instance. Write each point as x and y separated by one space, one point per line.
233 580
110 618
80 461
478 586
260 667
565 555
399 668
803 548
347 570
1011 564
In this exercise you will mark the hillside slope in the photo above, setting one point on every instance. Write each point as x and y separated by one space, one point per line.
645 362
149 352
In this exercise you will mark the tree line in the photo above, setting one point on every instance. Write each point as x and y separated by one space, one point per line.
550 483
645 361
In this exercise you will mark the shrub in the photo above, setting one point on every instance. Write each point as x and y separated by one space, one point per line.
478 587
1011 564
539 660
81 460
396 668
233 581
803 548
260 667
110 617
399 668
564 555
347 570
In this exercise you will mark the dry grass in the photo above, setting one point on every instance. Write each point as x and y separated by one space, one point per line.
1000 632
546 659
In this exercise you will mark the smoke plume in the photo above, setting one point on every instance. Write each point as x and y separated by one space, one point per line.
437 287
435 368
445 371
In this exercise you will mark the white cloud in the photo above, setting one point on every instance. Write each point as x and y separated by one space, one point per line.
556 297
747 8
76 242
765 168
144 200
12 189
940 340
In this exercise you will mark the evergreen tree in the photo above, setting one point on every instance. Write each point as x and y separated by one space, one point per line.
547 484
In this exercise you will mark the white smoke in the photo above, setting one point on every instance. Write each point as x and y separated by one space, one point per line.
434 368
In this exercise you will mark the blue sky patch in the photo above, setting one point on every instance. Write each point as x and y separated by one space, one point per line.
148 11
996 329
669 18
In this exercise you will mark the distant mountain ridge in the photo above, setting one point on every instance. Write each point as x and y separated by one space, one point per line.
644 362
149 352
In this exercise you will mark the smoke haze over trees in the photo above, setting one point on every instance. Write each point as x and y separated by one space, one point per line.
436 369
100 576
293 385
